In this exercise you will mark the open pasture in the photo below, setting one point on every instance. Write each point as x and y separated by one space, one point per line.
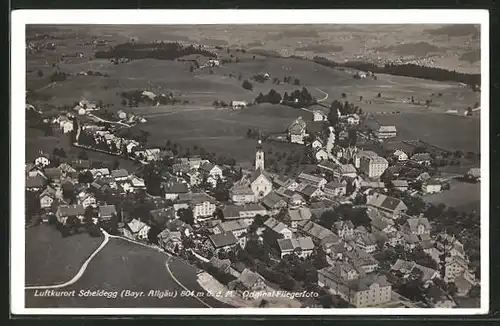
447 131
462 195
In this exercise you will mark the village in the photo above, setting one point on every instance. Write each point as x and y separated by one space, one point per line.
353 230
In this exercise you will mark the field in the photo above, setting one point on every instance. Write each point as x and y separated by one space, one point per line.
437 129
52 259
462 195
120 266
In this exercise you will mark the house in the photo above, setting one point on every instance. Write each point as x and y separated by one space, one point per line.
317 232
311 179
121 114
455 267
223 265
107 212
248 281
319 115
431 187
356 288
212 170
384 132
345 171
298 215
437 298
120 175
473 174
405 267
334 189
221 242
308 191
149 154
360 259
297 200
297 131
421 158
66 125
47 197
367 242
161 216
42 160
279 228
172 190
400 155
321 155
390 206
137 183
67 170
237 227
379 223
417 226
99 173
203 205
344 229
81 165
233 212
353 119
410 241
317 144
395 238
170 241
373 166
401 185
237 105
273 203
69 211
35 183
137 230
261 184
301 246
241 192
86 199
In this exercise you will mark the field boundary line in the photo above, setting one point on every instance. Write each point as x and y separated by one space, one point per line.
182 285
80 271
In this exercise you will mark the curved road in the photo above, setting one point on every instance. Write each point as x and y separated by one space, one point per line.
80 272
325 93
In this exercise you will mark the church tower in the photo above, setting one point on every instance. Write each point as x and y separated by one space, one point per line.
259 157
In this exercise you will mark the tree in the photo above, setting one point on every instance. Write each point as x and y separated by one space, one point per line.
296 81
191 68
186 215
247 85
328 218
352 137
40 73
82 155
153 234
379 95
85 177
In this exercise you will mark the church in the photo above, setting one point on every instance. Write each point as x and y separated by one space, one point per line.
254 187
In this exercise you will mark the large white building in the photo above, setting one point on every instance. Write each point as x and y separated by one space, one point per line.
372 165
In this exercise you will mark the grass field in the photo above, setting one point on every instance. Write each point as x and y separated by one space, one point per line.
462 195
52 259
122 265
437 129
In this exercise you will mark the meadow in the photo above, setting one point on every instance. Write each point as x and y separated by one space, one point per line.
463 196
52 259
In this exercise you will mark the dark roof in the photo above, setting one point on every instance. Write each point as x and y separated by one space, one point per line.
175 188
271 199
81 164
107 210
71 210
223 239
421 157
196 198
36 182
53 173
391 203
258 173
207 166
121 173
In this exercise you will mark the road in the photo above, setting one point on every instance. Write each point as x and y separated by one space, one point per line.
123 264
325 93
107 121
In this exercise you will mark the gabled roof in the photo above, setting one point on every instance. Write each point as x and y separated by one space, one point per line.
36 182
309 178
315 230
385 202
223 239
421 157
234 225
271 200
258 173
121 173
399 183
275 225
136 225
332 185
196 198
107 210
413 223
339 225
304 243
175 188
207 166
249 278
52 173
66 168
162 214
70 210
301 214
297 126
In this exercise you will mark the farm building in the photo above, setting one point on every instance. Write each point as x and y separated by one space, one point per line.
319 115
384 132
237 105
297 131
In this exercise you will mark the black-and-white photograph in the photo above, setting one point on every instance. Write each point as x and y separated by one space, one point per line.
260 166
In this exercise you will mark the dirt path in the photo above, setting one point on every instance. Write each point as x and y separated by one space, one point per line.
325 93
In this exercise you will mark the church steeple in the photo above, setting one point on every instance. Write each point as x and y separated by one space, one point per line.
259 157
